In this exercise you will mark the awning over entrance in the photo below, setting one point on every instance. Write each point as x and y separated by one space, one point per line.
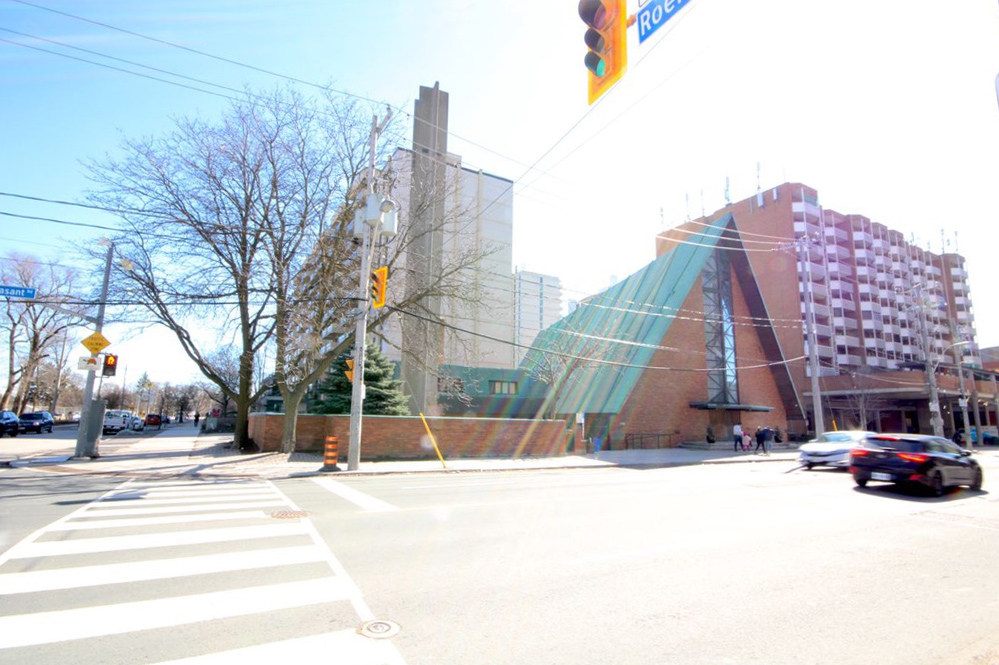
717 406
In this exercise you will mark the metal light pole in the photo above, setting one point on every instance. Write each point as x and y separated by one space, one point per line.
85 445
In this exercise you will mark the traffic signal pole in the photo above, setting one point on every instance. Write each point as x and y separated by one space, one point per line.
86 446
369 219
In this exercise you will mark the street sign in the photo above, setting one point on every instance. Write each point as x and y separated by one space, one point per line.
96 343
654 14
87 364
17 292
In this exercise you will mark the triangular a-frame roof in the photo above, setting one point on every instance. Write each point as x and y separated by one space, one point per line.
607 343
610 338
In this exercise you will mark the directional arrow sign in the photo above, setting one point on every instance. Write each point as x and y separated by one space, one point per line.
17 292
96 343
654 15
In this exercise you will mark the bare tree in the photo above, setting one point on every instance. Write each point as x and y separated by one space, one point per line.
210 208
245 226
863 401
33 329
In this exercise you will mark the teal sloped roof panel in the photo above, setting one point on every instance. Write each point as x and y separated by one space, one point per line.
611 337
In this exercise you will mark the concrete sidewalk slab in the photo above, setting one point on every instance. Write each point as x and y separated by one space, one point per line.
177 453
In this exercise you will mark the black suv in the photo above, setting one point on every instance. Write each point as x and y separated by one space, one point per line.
9 423
36 422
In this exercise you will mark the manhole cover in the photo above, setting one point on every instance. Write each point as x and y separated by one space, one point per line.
379 629
289 514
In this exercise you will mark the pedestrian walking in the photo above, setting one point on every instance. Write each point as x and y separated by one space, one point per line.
197 417
761 441
737 437
768 437
746 441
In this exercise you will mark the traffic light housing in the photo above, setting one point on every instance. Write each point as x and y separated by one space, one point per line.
110 365
379 281
350 371
607 39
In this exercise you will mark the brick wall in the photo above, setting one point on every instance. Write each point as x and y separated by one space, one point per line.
404 437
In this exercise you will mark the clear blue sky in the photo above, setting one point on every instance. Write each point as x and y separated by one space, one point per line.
887 108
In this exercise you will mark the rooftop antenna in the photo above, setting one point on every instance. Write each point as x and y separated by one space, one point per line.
703 214
759 189
687 197
957 249
728 199
662 216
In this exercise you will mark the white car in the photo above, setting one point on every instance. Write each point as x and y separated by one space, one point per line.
138 424
832 448
116 420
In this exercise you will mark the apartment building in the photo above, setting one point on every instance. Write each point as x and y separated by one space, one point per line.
881 304
537 305
715 332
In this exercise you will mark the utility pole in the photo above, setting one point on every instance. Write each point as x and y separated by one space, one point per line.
813 350
936 422
370 220
85 445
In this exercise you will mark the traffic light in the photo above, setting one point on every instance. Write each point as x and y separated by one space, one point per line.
379 280
110 365
350 371
607 40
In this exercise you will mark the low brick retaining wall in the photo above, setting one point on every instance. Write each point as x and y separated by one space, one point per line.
404 437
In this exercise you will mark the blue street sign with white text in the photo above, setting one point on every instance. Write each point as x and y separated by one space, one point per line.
653 15
17 292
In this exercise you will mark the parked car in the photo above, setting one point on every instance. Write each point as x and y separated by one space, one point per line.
116 420
9 423
154 420
831 448
915 459
138 424
36 421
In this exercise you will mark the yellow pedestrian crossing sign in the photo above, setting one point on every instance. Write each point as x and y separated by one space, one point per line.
96 343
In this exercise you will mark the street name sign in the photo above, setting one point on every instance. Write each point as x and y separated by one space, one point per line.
96 342
17 292
654 15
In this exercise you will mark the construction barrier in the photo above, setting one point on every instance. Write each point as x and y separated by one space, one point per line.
331 452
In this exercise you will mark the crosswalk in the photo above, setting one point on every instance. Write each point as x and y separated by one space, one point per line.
183 571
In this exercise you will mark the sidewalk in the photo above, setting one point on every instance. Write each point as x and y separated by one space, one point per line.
177 452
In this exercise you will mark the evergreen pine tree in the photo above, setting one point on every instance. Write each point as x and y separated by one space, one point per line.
384 394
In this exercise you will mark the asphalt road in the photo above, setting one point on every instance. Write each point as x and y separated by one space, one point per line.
736 563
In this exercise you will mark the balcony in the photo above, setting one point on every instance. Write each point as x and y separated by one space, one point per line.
838 251
867 272
849 341
871 307
959 274
820 292
837 234
844 304
845 322
864 237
